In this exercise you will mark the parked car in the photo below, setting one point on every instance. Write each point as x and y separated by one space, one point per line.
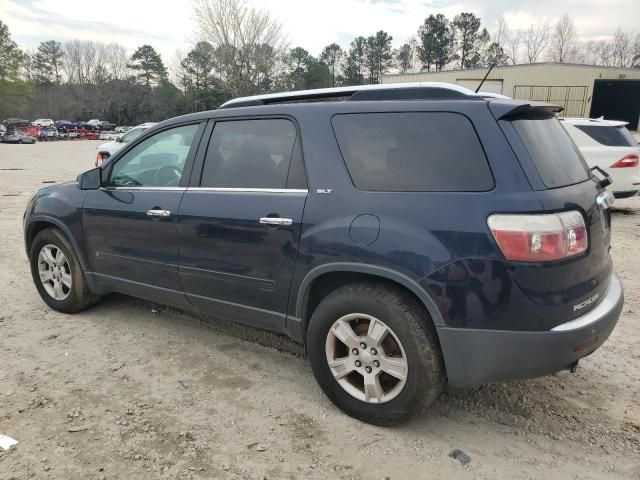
3 130
122 129
409 236
17 137
16 122
64 124
609 145
43 122
94 121
105 150
105 125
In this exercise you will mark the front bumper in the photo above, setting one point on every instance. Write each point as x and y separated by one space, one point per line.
477 356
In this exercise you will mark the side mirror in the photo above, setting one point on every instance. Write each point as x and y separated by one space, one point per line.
90 180
119 139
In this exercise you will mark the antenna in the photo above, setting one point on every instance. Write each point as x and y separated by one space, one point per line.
485 77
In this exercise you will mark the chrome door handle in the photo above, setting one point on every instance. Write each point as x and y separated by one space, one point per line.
158 213
275 221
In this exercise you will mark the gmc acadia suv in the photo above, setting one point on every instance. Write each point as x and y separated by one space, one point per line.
408 235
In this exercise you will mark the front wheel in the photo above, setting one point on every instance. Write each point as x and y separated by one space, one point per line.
57 273
374 352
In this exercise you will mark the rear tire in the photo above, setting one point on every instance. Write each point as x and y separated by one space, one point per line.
408 349
57 273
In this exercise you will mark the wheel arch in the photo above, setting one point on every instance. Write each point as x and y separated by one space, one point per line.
322 280
40 223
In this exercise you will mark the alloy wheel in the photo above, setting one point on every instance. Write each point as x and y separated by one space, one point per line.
55 272
366 358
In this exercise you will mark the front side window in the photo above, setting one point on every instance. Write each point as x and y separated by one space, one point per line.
157 161
412 152
249 154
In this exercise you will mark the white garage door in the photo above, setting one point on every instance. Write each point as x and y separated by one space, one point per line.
493 86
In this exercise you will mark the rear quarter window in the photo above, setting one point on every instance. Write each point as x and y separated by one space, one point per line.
608 135
412 152
557 159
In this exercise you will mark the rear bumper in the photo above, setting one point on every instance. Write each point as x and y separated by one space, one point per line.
477 356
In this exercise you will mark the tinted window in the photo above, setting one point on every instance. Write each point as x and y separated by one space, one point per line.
412 151
157 161
610 136
556 157
249 154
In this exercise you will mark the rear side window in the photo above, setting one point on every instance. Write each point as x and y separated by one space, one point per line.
609 136
412 152
556 157
252 154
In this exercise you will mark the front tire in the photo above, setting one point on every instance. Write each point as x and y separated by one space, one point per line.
374 352
57 273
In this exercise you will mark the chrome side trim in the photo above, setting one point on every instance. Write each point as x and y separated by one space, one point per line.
611 298
147 189
248 190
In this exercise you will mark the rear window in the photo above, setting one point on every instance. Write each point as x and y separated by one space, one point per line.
412 152
609 136
556 157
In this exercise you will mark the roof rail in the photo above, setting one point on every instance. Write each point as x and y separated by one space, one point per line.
387 91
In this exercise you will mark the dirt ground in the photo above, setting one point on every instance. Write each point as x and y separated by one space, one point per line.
132 390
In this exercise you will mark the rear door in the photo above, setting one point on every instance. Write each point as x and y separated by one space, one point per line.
240 221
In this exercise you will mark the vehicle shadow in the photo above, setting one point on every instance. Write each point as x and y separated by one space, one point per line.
556 408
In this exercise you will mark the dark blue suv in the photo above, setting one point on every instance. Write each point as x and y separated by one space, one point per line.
407 235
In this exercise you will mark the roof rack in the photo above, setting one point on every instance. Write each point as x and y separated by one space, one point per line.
388 91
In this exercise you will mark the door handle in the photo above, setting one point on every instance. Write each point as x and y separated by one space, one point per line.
158 213
275 221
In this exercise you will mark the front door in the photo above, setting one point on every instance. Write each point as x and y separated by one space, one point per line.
240 225
130 225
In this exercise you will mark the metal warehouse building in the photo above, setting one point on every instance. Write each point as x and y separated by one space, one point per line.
583 90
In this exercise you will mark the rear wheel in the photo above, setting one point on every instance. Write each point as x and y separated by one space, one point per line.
374 352
57 273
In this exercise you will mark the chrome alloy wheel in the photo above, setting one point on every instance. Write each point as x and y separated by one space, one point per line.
55 272
366 358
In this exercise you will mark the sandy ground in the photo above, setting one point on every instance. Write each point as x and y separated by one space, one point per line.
132 390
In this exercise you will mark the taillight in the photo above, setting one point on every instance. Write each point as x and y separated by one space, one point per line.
99 160
539 238
626 161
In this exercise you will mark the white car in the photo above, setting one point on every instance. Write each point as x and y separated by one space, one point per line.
609 145
43 122
106 150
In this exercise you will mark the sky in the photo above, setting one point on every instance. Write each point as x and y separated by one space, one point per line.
168 25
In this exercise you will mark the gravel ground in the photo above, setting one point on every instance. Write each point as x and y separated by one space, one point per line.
130 389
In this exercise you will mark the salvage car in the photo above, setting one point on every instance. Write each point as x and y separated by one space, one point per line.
17 137
43 122
608 144
409 236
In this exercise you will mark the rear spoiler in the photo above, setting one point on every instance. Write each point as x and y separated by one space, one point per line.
505 109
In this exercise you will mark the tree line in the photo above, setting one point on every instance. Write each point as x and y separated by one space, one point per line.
242 50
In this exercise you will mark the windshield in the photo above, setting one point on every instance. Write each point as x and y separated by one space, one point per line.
556 157
132 134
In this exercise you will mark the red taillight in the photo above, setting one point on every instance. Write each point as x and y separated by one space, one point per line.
627 161
539 238
99 160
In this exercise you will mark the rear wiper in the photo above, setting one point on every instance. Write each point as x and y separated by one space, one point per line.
606 181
